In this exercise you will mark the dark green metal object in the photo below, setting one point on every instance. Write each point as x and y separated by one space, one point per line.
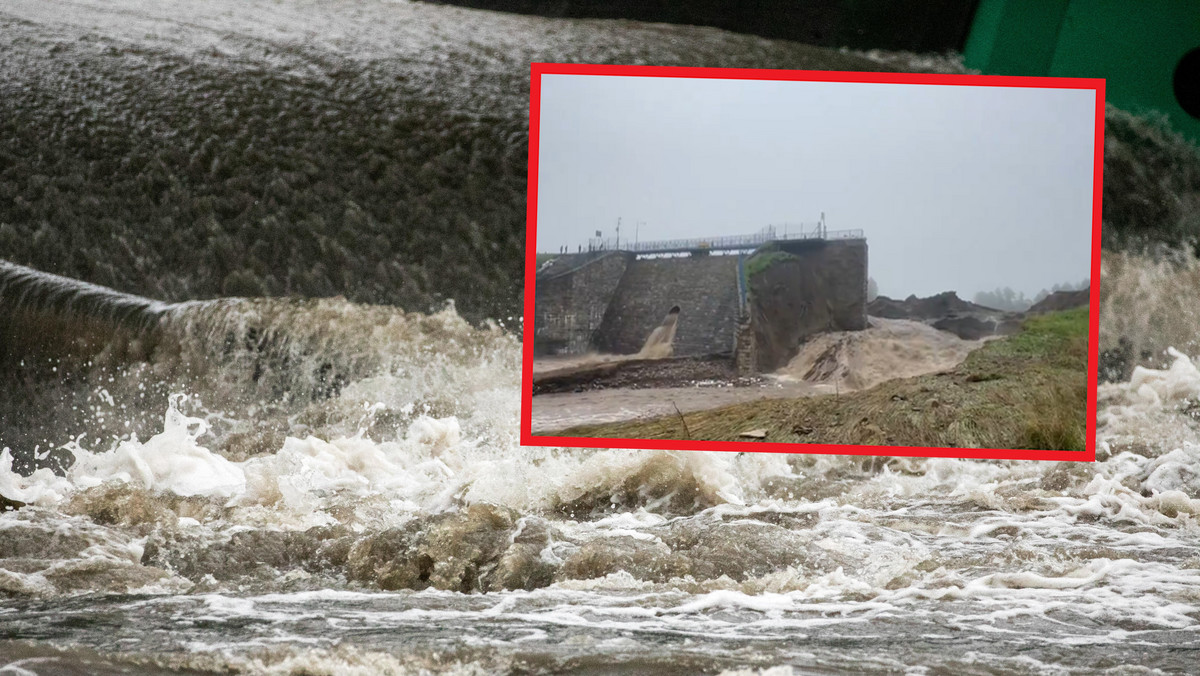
1140 47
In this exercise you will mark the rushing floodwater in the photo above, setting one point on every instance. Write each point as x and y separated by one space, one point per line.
846 361
322 487
443 545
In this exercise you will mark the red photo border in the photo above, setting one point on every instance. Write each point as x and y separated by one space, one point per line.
537 70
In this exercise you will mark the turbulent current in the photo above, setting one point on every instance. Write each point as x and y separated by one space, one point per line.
392 524
321 486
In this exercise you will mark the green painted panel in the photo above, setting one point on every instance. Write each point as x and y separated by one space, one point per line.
1135 46
984 31
1025 31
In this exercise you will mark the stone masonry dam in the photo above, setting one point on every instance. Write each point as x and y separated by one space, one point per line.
754 301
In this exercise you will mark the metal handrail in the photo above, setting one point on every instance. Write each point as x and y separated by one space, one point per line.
725 242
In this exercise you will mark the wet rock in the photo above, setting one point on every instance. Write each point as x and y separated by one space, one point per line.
102 575
7 505
1066 475
44 555
463 547
118 503
30 541
967 327
389 560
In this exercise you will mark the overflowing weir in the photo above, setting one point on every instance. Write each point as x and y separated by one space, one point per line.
26 290
87 359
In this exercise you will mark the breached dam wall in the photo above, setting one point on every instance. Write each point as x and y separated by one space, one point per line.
802 288
612 302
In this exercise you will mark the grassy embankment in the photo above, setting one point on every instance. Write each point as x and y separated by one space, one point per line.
1025 391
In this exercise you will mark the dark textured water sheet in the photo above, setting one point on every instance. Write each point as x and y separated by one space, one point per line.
589 633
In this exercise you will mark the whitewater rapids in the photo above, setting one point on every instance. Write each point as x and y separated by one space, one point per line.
326 487
446 546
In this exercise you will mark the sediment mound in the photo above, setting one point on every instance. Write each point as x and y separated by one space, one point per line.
933 307
974 327
889 348
1061 300
947 312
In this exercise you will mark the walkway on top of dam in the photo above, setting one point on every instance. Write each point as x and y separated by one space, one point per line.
726 243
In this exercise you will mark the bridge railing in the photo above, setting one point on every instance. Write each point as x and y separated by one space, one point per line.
718 243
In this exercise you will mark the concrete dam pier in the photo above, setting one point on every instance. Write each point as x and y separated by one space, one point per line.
755 305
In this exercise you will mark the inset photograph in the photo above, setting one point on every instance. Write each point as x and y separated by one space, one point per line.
747 260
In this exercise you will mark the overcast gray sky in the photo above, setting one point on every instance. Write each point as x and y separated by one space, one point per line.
956 188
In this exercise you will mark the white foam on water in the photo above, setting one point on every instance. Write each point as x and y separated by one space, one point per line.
170 462
42 488
432 467
342 660
769 671
18 668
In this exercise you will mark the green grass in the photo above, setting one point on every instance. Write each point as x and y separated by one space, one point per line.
765 258
1027 391
1059 337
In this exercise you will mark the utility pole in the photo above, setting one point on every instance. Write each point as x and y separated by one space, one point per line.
618 233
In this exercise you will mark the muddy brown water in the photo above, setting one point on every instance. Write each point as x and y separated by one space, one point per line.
560 411
342 489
